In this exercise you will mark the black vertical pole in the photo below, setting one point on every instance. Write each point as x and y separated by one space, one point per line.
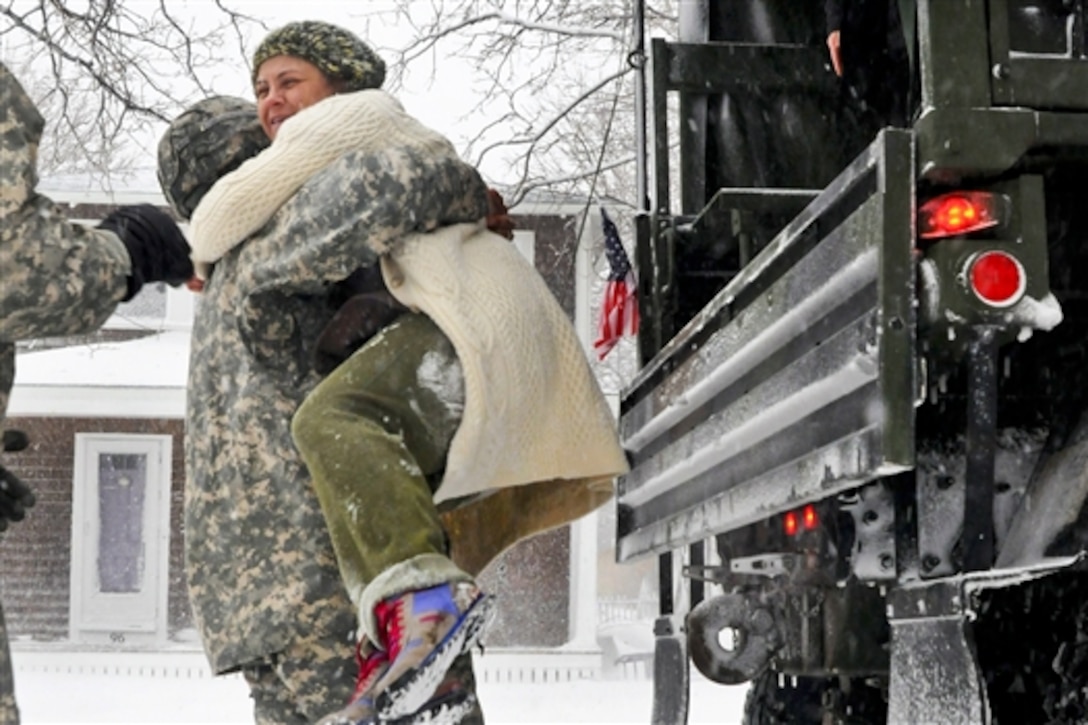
978 520
637 60
697 555
664 584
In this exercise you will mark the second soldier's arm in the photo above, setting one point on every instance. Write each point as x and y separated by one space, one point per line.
833 12
60 278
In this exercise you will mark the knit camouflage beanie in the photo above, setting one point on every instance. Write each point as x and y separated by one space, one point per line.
210 139
338 53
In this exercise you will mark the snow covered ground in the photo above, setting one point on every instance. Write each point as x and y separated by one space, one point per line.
522 687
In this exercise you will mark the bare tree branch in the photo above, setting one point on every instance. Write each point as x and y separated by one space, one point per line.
540 72
141 62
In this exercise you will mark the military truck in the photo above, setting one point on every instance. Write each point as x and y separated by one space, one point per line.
857 433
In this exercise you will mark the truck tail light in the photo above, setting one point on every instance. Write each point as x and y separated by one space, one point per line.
791 524
960 212
806 519
997 278
809 517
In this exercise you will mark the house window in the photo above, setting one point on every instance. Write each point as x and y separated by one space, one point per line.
122 485
525 242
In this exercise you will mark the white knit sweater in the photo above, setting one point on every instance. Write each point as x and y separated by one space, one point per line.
533 409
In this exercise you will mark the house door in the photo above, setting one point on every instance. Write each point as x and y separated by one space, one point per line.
120 538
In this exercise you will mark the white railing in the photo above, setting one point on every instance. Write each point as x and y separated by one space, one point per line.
524 666
625 609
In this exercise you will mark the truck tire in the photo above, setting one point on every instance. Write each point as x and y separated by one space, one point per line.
807 700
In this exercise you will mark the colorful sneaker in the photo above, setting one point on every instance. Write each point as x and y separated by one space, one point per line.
360 710
425 631
454 702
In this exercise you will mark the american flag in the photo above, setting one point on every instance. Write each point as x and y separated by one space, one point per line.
619 310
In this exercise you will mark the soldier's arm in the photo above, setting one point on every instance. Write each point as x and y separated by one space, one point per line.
833 11
59 278
7 375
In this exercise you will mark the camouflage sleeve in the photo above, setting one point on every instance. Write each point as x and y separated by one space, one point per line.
342 219
358 208
7 375
9 713
58 278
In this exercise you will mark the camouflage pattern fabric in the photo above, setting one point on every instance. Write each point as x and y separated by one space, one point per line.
210 139
293 686
57 278
262 574
7 374
337 52
9 711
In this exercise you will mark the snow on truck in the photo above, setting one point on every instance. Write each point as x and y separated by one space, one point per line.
858 436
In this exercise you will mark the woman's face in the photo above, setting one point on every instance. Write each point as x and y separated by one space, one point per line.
285 85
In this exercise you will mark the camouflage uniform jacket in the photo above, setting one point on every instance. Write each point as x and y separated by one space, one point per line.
259 560
56 278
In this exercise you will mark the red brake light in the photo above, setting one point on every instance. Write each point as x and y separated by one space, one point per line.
961 212
790 523
997 278
808 515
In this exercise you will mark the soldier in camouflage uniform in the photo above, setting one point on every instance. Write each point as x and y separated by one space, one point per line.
277 272
263 581
60 279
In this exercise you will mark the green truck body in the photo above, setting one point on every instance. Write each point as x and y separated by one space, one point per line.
857 431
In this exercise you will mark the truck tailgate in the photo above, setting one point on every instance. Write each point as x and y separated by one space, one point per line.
796 381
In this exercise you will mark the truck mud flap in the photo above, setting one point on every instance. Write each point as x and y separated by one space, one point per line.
672 676
935 674
934 677
795 382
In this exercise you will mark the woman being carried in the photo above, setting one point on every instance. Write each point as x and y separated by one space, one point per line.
479 394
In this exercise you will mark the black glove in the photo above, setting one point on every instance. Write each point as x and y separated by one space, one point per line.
155 244
15 497
359 319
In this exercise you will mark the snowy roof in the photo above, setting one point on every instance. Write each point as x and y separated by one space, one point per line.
141 186
143 378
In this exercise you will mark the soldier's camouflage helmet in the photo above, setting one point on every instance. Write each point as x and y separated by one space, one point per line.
211 138
338 53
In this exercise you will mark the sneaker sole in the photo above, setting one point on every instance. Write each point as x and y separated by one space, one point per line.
409 693
451 711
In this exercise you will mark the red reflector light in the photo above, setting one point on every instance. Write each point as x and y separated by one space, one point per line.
790 523
997 278
809 517
961 212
